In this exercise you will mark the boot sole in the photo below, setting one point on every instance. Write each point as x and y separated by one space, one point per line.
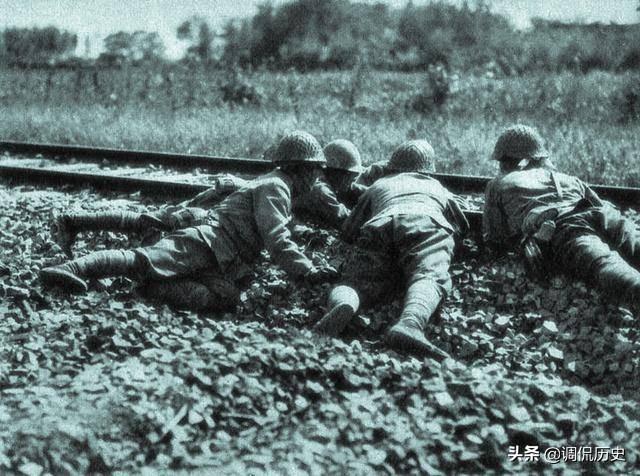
63 279
406 343
334 322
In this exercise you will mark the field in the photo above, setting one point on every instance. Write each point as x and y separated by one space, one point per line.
590 121
108 382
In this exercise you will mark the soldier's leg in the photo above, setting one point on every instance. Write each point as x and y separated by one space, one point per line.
177 255
178 217
65 227
71 275
367 277
621 233
426 263
589 258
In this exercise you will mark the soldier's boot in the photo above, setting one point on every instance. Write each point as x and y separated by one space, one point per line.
213 295
407 335
72 276
65 227
342 305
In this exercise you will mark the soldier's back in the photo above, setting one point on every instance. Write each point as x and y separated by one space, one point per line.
522 191
407 193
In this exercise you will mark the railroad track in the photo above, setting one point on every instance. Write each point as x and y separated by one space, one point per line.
45 169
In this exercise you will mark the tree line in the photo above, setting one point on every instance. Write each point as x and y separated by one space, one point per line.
340 34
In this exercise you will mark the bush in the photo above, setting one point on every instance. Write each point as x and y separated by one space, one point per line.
437 90
627 101
238 90
631 60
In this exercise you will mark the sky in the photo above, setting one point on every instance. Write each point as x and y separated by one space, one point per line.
97 18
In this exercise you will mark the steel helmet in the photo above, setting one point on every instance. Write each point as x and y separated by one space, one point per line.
519 142
342 154
298 147
413 156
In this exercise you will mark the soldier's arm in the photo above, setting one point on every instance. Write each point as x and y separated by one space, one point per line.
356 189
369 175
272 209
223 186
322 203
455 215
359 216
366 178
494 229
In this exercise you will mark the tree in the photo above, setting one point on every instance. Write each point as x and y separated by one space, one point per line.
238 39
309 34
197 31
139 46
38 46
147 46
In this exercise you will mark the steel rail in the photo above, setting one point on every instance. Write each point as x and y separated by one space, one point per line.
627 196
109 182
169 159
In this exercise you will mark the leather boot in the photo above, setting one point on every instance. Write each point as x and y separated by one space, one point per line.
71 276
192 295
407 335
66 227
343 303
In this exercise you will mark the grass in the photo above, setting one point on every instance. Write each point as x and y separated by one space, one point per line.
576 114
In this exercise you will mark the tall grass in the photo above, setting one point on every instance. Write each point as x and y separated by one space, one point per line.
576 114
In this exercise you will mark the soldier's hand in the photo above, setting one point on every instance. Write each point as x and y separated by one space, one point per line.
533 257
325 274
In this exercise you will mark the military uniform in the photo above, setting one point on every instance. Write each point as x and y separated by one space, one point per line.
249 220
367 177
405 224
320 203
192 212
573 230
590 240
407 218
516 203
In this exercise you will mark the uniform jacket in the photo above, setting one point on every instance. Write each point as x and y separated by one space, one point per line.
367 177
257 217
412 194
516 202
320 202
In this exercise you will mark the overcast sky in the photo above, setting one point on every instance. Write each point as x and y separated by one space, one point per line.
97 18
